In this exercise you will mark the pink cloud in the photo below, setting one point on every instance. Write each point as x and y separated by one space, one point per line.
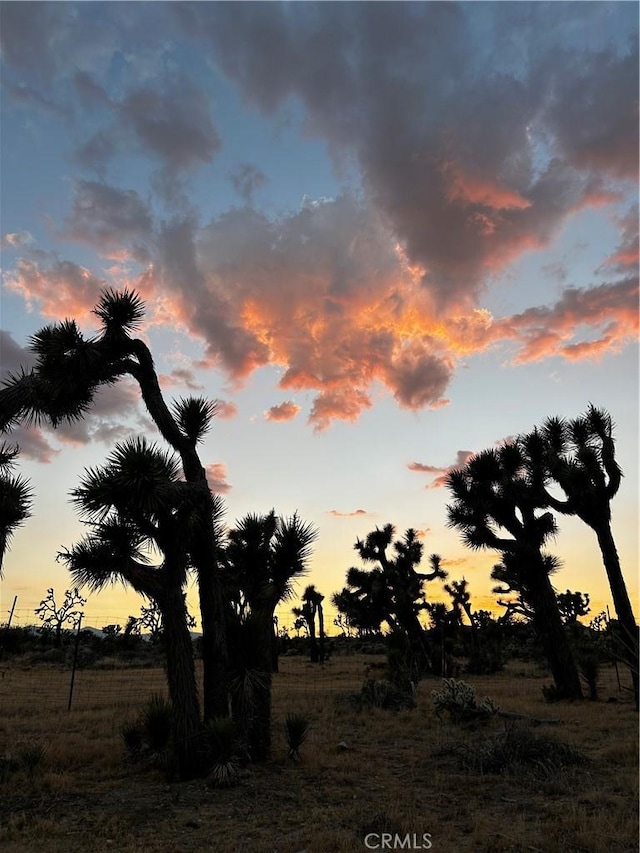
282 412
32 443
462 457
487 191
217 478
226 410
337 514
182 377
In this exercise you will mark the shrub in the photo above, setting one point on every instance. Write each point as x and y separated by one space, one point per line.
296 728
516 748
156 722
149 735
458 699
223 754
382 693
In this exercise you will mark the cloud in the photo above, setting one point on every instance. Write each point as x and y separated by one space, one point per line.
113 415
217 478
109 218
226 410
474 152
60 288
462 457
337 514
16 240
181 377
283 412
468 130
12 355
610 310
173 124
246 179
345 405
625 258
33 444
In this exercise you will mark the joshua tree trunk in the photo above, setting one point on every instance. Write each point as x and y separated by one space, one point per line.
313 643
321 651
548 626
182 685
215 656
621 602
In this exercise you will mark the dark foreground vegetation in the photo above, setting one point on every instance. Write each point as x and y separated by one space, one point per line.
527 775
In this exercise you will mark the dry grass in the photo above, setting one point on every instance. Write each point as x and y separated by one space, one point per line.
399 773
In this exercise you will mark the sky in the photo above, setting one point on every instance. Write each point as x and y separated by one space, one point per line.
384 236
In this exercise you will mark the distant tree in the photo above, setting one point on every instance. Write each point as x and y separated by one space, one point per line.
393 591
56 616
311 608
151 621
572 605
15 499
496 505
111 631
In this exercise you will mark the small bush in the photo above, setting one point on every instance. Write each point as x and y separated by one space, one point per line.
384 694
132 734
223 754
156 722
516 748
458 699
149 735
296 728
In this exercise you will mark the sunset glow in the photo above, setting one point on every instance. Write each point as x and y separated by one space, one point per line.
379 259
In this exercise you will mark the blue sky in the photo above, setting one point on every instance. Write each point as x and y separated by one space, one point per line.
386 235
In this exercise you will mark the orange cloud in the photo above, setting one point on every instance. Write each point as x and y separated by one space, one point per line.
282 412
217 478
225 410
462 457
465 187
346 405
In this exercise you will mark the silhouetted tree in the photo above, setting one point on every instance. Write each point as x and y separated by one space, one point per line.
579 455
393 591
56 616
15 499
496 506
572 605
135 506
69 370
264 556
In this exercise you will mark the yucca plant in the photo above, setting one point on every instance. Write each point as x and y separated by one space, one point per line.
133 738
156 722
296 727
223 753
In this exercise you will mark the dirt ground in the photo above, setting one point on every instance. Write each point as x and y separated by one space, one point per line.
401 773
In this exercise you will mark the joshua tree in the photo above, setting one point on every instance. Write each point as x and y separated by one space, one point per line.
135 506
496 506
265 554
579 455
572 605
311 607
56 616
393 591
68 372
15 498
461 600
